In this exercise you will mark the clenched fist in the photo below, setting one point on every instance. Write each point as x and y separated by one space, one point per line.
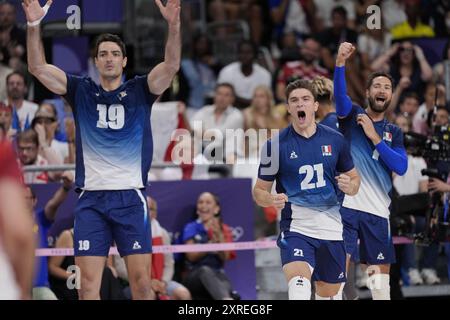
345 51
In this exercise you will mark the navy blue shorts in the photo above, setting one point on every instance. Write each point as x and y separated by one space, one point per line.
327 257
374 234
105 217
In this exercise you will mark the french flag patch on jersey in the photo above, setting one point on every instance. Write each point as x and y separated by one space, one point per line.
387 136
326 150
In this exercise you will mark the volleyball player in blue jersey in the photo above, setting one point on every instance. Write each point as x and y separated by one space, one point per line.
377 150
309 162
114 148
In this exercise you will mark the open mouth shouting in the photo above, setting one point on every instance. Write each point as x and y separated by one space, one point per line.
380 99
301 116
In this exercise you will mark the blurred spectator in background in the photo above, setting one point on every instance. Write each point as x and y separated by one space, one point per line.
409 104
110 289
204 275
232 10
197 76
47 117
325 8
6 120
330 38
413 27
371 44
337 33
393 13
12 39
31 153
216 118
245 74
439 16
405 60
260 115
306 68
23 110
420 118
44 219
16 240
163 264
438 69
294 17
4 72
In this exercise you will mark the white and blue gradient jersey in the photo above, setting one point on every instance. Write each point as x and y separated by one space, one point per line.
305 170
376 178
113 133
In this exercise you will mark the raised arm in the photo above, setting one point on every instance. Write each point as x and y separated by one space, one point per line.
60 195
343 102
160 78
49 75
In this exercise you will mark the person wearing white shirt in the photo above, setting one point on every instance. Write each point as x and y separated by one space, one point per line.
245 75
16 89
215 119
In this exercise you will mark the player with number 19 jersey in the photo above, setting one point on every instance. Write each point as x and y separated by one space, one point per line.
113 134
113 157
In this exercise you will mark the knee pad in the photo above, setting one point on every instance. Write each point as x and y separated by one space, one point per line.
299 288
378 284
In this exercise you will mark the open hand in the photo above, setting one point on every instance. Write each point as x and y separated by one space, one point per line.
170 12
33 9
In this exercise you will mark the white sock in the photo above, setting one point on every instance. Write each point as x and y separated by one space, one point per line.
299 288
322 298
378 284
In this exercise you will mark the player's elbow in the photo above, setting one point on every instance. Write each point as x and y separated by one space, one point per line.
402 167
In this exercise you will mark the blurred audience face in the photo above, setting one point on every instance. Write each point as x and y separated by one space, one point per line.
30 200
410 106
15 87
430 95
47 117
442 117
110 60
338 21
406 52
28 152
224 97
5 118
379 94
310 51
7 15
207 206
262 99
246 54
402 122
201 47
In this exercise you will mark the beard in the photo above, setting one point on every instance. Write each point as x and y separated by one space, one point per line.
376 107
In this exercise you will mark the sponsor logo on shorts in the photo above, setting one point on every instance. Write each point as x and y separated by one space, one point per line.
136 245
380 256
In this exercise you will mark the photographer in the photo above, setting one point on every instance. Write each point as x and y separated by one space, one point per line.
412 183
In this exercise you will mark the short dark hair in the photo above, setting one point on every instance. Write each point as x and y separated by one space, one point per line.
28 135
226 85
250 44
17 73
339 10
108 37
376 74
410 95
300 84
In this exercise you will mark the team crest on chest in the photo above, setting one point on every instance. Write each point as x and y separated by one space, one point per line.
326 150
122 95
293 155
